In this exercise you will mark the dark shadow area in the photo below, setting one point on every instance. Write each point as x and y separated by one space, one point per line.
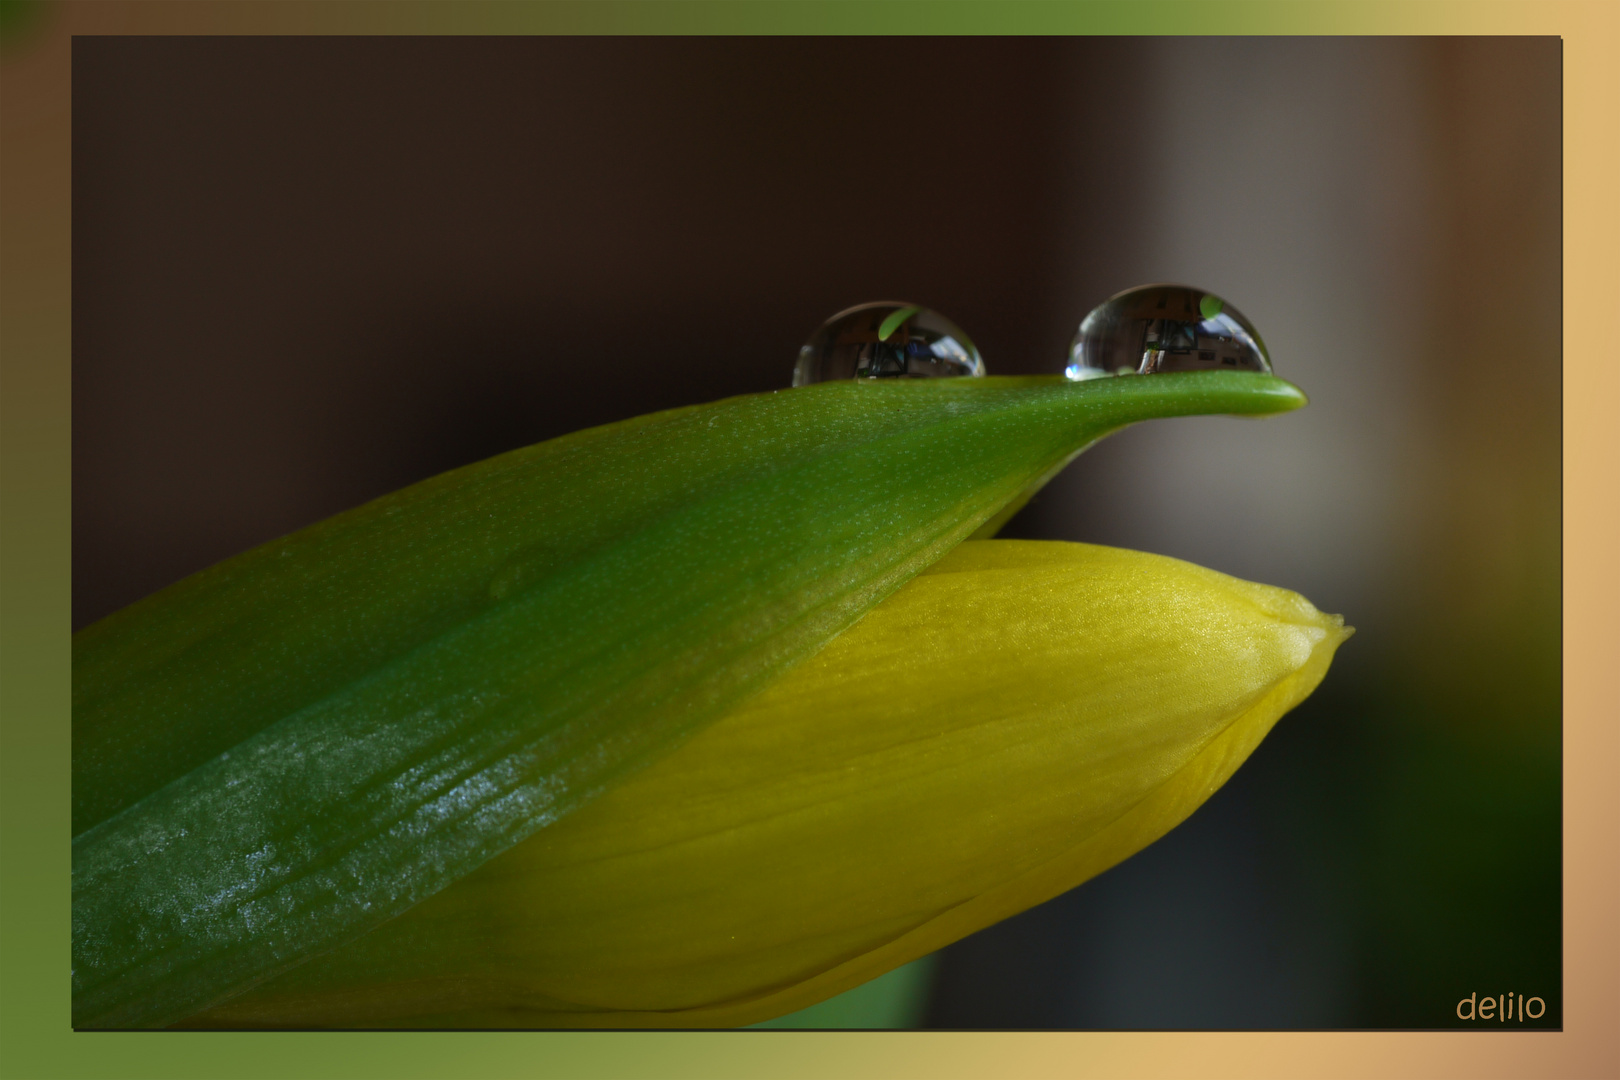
306 273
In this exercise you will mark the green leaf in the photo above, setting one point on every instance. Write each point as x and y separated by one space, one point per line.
290 748
894 320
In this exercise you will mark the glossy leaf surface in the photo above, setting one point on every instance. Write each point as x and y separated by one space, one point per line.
285 750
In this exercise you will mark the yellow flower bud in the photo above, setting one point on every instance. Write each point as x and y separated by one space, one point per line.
1013 721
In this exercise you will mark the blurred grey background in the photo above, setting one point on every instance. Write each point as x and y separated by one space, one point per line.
310 271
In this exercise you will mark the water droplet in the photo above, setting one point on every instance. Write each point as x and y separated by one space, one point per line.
886 340
1156 328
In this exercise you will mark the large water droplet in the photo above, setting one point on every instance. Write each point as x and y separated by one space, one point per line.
1156 328
886 340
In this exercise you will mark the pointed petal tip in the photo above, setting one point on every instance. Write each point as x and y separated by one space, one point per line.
1296 398
1274 395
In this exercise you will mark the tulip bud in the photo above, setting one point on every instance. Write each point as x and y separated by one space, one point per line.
1015 720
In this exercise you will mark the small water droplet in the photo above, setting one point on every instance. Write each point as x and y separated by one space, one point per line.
1155 328
886 340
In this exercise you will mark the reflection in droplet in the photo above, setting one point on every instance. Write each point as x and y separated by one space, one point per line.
1156 328
886 340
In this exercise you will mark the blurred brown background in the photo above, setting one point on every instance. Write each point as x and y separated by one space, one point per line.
310 271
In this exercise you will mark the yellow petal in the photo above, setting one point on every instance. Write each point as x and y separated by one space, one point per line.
1015 720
